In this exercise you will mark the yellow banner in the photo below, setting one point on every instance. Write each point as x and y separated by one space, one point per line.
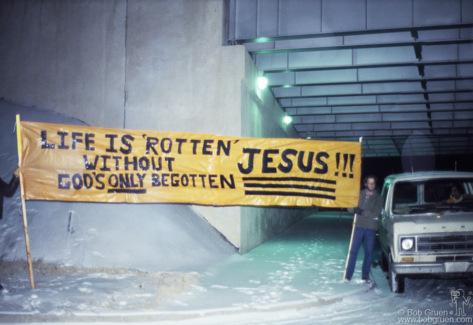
76 163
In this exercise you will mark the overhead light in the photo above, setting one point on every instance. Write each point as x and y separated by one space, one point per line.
261 81
287 119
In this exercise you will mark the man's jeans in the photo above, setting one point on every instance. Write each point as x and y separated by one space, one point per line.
369 235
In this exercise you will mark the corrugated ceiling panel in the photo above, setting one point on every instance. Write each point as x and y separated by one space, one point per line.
271 61
320 59
466 51
465 70
404 117
382 133
466 32
428 12
346 100
371 126
460 131
392 87
285 102
463 115
465 84
463 105
400 108
440 52
378 38
259 46
332 127
287 92
442 115
304 127
298 17
442 124
467 11
400 98
401 132
446 106
410 125
388 73
343 14
246 19
281 78
358 118
314 110
357 109
387 13
310 43
441 85
439 71
441 131
429 35
444 97
325 76
296 120
323 134
309 101
384 55
267 18
465 96
291 111
462 124
331 90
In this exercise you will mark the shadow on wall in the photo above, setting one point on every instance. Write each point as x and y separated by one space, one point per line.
148 237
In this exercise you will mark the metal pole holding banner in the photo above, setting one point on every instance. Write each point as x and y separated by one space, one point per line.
351 239
23 207
349 248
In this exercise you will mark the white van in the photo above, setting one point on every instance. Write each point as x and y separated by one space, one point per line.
420 234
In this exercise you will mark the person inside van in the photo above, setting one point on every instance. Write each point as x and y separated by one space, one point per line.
458 194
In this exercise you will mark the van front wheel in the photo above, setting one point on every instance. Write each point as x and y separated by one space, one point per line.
396 281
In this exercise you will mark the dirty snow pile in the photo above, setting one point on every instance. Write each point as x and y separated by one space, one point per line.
153 245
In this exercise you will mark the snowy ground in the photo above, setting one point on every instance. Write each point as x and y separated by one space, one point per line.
295 278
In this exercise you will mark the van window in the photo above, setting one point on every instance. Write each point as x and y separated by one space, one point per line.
385 191
405 193
436 191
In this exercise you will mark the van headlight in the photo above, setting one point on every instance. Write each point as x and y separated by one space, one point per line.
407 244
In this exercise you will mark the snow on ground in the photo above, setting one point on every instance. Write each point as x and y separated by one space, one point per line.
294 278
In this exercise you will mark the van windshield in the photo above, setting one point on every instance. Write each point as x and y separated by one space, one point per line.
434 195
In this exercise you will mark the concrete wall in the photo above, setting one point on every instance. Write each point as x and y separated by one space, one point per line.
66 56
139 64
263 118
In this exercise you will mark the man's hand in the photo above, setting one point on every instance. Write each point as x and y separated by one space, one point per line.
358 210
17 172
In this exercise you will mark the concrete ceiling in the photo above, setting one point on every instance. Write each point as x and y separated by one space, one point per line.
397 73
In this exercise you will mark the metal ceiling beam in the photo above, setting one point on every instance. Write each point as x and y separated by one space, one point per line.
350 33
368 66
387 104
382 94
371 82
364 46
384 125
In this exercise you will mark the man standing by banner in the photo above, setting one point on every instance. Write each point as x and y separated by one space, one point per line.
365 227
7 190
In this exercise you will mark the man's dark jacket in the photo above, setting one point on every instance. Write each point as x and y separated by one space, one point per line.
7 190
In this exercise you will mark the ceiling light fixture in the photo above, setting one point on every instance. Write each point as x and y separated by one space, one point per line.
261 81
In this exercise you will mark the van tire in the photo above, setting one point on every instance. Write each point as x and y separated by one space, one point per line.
396 281
384 262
